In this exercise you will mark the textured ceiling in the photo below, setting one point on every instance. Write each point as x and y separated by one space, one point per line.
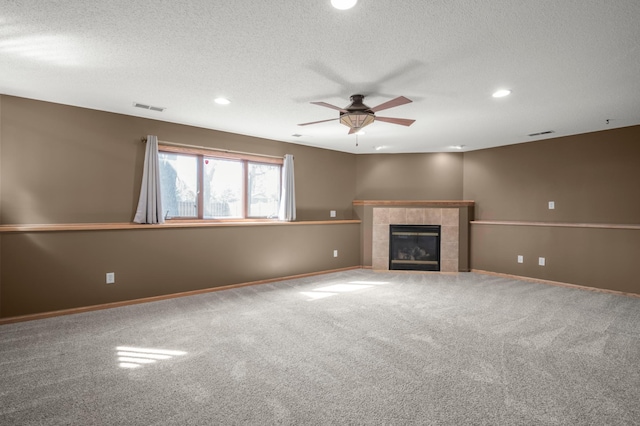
571 64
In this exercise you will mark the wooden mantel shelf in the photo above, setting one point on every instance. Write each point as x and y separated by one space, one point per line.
167 225
416 203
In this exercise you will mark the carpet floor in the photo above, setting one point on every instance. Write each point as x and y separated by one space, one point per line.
354 347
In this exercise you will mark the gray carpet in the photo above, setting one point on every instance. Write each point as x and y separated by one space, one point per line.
354 347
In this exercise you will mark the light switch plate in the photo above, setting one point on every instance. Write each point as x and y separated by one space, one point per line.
552 205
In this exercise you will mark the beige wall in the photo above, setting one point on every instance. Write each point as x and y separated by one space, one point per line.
599 258
409 176
426 176
49 271
62 164
592 178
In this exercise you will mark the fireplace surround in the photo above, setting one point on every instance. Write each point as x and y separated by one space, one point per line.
447 218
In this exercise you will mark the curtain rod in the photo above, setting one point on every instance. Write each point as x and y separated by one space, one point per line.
229 151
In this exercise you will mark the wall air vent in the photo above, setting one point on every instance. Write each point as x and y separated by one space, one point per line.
546 132
149 107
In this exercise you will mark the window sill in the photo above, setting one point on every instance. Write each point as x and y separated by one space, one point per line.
167 225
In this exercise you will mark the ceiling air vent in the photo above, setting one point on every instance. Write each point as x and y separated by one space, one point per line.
296 135
546 132
149 107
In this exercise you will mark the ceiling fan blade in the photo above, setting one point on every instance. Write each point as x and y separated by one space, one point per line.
400 100
316 122
324 104
401 121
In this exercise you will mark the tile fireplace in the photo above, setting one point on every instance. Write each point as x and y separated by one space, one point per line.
446 219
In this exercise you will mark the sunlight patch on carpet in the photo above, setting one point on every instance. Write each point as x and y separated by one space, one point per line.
133 357
335 289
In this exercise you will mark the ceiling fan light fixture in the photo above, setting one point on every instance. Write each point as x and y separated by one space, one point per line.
357 120
343 4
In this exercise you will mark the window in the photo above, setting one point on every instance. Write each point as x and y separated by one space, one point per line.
199 184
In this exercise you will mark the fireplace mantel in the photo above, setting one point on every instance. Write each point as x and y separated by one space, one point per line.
415 203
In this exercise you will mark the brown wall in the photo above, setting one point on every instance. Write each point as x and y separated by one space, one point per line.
406 177
62 164
600 258
409 176
592 178
47 271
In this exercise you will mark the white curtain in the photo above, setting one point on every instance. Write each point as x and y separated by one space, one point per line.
150 202
288 192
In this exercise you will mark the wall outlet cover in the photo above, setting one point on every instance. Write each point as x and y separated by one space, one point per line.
552 205
332 213
541 261
335 253
111 277
520 258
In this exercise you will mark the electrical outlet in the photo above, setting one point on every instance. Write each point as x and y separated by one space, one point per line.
552 205
332 213
541 261
335 253
520 258
111 277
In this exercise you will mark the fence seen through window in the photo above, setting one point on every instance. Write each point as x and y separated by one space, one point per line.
206 187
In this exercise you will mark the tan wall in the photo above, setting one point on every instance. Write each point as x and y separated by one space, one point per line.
409 176
592 178
49 271
599 258
404 177
62 164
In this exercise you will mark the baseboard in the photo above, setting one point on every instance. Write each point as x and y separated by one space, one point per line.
557 283
71 311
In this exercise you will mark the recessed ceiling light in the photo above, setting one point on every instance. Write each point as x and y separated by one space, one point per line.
501 93
343 4
222 101
457 146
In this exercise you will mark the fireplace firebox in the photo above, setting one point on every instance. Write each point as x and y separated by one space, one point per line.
414 247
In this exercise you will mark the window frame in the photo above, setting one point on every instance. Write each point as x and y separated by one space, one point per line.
245 159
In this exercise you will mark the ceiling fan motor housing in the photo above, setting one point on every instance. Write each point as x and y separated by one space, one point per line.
357 115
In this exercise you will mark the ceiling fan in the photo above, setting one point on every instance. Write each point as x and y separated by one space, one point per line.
358 115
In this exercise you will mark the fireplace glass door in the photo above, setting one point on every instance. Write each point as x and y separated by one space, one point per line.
414 247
